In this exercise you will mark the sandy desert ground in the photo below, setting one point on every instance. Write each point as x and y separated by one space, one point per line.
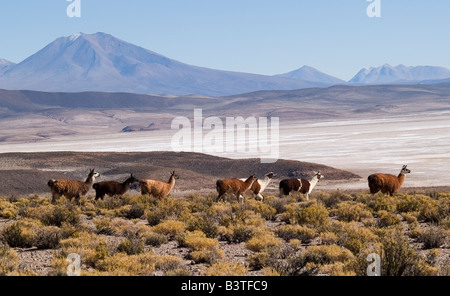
362 146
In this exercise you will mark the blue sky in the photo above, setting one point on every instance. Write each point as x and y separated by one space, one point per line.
256 36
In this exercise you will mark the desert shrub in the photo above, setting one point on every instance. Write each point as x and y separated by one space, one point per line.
427 207
262 241
265 210
180 272
48 237
9 260
204 250
131 246
170 228
352 236
91 247
331 200
276 203
259 260
387 219
433 237
398 258
302 233
328 238
337 269
154 217
8 210
227 269
410 218
312 214
348 211
309 262
136 211
206 222
124 265
56 215
21 234
167 263
103 225
155 239
236 233
385 203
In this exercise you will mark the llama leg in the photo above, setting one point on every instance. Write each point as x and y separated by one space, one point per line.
55 196
261 198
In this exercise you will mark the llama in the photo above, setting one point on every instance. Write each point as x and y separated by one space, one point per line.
387 183
300 185
70 188
259 186
234 186
158 188
113 188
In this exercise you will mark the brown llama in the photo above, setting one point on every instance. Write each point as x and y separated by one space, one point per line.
158 188
70 188
387 183
113 188
234 186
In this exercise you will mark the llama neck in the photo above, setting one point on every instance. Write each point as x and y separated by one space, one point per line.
248 183
313 183
264 183
90 180
171 182
401 178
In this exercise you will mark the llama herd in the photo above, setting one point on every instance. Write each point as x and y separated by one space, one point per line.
386 183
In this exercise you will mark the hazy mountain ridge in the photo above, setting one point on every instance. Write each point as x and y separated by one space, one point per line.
101 62
400 74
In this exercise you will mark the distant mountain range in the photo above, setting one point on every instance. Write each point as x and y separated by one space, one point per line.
311 74
101 62
400 74
5 65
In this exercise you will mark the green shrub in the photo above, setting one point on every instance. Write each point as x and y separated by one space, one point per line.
387 219
302 233
56 215
385 203
348 211
314 215
352 236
